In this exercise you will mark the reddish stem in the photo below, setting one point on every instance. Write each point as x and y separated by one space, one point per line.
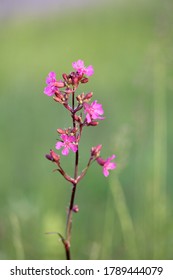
67 242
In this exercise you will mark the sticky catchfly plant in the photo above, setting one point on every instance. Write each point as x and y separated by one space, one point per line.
83 113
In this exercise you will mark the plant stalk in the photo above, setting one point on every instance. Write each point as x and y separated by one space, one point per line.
72 199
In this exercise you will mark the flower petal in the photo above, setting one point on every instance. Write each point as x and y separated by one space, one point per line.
59 145
105 172
65 151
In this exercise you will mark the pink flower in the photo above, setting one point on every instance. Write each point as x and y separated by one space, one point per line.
93 111
81 69
68 142
51 84
107 164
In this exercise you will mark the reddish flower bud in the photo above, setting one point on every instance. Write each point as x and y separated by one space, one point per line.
69 81
80 97
92 123
88 95
57 99
75 81
49 157
75 208
95 151
68 91
55 156
61 131
59 94
84 80
65 77
52 156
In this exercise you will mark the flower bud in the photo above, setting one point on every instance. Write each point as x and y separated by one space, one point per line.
57 99
52 156
59 94
49 157
73 131
75 208
61 131
75 81
88 95
68 91
84 80
65 77
55 156
80 97
92 123
95 151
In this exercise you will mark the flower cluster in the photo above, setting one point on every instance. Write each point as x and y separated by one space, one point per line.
83 114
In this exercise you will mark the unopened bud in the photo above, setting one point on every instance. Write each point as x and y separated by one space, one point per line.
75 80
75 208
73 130
65 77
68 91
92 123
80 98
61 131
88 95
52 156
84 80
95 151
55 156
57 99
59 94
49 157
69 81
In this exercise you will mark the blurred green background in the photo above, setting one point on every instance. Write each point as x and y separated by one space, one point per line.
128 215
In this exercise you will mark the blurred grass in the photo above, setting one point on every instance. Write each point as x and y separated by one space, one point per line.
129 215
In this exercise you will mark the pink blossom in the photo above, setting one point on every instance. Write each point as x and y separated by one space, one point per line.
93 111
68 142
107 164
51 84
81 69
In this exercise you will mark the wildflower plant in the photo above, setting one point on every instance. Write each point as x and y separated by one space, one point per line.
83 114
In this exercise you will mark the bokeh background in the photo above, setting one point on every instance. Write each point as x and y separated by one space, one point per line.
130 45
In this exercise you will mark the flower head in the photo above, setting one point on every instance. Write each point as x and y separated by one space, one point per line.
51 84
93 111
81 69
68 142
107 164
